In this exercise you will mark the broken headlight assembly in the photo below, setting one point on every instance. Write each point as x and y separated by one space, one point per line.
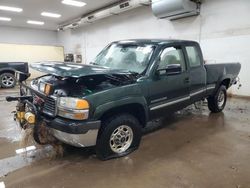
73 108
44 88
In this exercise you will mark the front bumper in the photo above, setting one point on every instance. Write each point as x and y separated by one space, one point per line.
75 133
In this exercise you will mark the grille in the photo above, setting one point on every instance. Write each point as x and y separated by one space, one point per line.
49 107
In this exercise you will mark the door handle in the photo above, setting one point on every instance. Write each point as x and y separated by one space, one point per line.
186 80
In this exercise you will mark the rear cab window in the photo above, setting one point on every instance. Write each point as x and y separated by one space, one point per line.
193 56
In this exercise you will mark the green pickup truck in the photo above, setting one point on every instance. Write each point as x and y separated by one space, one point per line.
107 104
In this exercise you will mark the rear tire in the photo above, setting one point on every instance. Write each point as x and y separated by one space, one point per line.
217 102
118 136
7 80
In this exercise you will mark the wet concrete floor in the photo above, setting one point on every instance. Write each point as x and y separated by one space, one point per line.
191 148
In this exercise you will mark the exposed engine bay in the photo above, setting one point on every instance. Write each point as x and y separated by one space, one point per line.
75 87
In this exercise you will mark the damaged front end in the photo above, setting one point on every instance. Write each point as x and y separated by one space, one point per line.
56 108
27 113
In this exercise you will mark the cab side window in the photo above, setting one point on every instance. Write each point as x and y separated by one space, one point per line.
170 56
193 56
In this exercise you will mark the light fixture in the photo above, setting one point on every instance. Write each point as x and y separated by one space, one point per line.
52 15
35 22
13 9
5 19
74 3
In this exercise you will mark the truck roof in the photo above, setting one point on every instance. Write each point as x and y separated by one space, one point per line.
154 41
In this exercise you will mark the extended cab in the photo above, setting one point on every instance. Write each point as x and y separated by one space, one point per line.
7 73
107 104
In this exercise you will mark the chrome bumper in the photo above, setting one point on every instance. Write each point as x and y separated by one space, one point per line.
78 140
75 133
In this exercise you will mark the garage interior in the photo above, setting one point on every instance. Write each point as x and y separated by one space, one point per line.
189 148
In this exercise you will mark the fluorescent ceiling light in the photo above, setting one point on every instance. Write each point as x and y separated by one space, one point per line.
5 19
13 9
74 3
49 14
35 22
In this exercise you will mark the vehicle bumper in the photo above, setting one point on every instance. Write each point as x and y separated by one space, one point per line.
77 140
75 133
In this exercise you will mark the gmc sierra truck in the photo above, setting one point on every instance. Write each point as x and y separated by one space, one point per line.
107 104
7 73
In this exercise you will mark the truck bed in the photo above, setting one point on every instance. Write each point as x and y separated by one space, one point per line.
13 66
218 72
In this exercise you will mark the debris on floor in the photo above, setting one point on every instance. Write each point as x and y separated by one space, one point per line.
45 138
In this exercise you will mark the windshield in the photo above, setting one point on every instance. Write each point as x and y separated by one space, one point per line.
131 57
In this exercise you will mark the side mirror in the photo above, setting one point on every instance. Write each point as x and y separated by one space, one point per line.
172 69
21 76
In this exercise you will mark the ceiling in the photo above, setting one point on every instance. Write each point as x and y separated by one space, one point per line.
32 10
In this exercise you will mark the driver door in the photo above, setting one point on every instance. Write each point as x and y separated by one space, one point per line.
169 92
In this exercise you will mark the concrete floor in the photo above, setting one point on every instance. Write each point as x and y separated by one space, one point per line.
192 148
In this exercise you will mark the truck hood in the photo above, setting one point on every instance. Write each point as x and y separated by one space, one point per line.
74 70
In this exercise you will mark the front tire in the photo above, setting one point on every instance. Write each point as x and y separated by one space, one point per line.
217 102
118 136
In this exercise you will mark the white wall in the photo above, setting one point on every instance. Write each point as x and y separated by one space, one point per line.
223 30
29 45
19 35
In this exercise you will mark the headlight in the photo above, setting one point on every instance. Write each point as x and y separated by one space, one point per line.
41 86
73 108
73 103
45 88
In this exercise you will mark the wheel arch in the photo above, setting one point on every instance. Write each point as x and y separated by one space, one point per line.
138 110
226 82
2 71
